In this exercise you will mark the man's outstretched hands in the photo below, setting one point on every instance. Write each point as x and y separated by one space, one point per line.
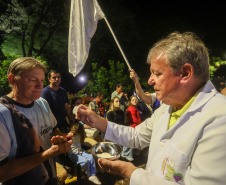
122 168
61 143
87 116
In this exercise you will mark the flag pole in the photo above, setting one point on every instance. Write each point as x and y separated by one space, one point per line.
116 40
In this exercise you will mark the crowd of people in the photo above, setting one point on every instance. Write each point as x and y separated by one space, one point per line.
45 115
186 133
182 123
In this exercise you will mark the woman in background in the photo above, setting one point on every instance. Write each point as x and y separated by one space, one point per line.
133 114
133 118
115 114
80 156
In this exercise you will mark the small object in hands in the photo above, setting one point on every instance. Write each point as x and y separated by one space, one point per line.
75 110
94 179
107 150
104 155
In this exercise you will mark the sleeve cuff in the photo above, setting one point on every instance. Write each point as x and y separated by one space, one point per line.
134 179
108 132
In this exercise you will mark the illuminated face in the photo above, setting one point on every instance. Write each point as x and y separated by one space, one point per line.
55 79
164 81
134 101
116 103
29 86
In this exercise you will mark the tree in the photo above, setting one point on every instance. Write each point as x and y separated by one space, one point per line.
217 72
30 27
4 65
215 63
105 79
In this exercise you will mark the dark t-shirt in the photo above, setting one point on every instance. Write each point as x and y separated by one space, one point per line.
56 100
116 117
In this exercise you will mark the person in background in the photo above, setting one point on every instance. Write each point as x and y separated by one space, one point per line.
186 135
132 113
79 155
115 114
146 97
120 94
222 88
155 102
58 101
133 119
126 99
97 104
223 91
26 129
75 101
144 111
88 142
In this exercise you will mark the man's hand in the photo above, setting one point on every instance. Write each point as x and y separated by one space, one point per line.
133 75
63 137
87 116
122 168
60 144
121 94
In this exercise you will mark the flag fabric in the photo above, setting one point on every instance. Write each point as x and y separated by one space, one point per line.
84 17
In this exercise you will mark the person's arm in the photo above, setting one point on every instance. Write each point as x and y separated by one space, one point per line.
145 97
121 94
67 109
68 112
136 175
207 165
89 117
121 168
19 166
135 137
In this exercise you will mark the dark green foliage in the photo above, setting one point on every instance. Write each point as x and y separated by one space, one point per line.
36 28
106 78
4 84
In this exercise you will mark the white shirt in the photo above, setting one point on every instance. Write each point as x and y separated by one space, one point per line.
193 148
39 115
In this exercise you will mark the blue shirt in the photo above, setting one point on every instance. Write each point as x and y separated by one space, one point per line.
56 100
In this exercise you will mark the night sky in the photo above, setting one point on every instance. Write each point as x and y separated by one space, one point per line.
206 18
156 19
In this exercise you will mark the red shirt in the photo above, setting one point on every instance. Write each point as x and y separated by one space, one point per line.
101 108
133 116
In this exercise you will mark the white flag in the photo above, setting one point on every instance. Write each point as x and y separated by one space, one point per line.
83 23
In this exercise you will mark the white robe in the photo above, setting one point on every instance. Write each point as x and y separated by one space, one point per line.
194 148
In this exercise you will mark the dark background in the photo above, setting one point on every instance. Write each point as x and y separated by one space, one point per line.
150 21
138 24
